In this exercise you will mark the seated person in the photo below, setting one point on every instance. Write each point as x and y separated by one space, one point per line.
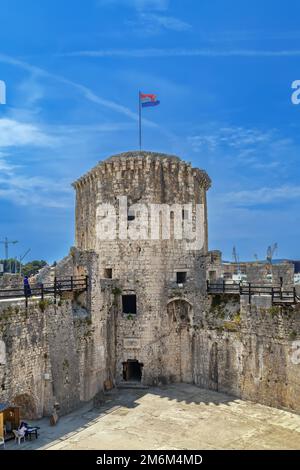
23 424
29 430
22 429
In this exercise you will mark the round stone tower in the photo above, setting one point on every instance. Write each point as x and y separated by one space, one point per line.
145 216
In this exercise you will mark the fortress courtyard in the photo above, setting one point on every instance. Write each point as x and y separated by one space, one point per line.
172 417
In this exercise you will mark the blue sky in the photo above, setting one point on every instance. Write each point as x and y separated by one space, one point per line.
223 73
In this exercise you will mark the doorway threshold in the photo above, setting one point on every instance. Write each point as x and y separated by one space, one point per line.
132 384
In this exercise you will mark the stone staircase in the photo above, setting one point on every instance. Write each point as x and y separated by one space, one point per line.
132 384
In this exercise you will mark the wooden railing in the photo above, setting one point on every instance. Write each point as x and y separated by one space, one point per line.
54 289
279 294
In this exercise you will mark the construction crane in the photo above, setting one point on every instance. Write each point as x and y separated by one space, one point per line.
21 259
270 252
6 244
236 259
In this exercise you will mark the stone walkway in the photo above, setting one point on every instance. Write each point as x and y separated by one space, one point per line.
172 417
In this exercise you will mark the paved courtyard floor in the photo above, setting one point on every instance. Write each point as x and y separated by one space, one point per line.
172 417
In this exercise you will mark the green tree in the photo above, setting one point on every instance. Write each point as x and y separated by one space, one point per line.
28 269
32 267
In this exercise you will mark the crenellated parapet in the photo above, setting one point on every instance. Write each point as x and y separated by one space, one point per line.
144 164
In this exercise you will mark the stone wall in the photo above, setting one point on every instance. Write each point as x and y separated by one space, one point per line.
11 281
26 359
46 356
254 355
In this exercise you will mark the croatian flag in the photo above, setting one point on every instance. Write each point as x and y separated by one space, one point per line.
148 100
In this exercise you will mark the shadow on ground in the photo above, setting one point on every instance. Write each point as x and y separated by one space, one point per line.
116 401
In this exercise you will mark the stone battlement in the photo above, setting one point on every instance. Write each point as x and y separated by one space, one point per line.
146 162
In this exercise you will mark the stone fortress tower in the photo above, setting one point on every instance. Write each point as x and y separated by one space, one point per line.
156 279
145 317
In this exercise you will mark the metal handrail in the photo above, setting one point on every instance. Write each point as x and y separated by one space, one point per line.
79 283
278 293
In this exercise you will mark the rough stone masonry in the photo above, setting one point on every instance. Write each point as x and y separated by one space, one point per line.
146 316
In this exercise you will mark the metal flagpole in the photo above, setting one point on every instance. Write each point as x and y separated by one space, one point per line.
140 121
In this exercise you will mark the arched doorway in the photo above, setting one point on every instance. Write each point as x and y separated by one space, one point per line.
179 310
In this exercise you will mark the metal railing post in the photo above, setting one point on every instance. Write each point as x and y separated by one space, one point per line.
55 287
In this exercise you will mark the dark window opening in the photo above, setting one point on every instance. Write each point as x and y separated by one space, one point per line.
108 273
185 214
129 304
130 215
132 370
181 277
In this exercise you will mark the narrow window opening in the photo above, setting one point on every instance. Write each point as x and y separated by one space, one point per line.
129 304
108 273
181 277
185 214
130 215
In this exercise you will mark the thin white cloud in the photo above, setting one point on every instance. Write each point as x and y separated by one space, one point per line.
14 133
150 17
83 90
235 137
234 36
153 23
182 52
264 195
257 148
34 197
31 92
24 190
5 166
139 5
17 185
86 92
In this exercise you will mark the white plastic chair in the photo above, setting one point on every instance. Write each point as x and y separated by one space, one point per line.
18 436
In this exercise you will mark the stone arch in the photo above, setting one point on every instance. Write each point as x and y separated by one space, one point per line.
179 310
27 405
